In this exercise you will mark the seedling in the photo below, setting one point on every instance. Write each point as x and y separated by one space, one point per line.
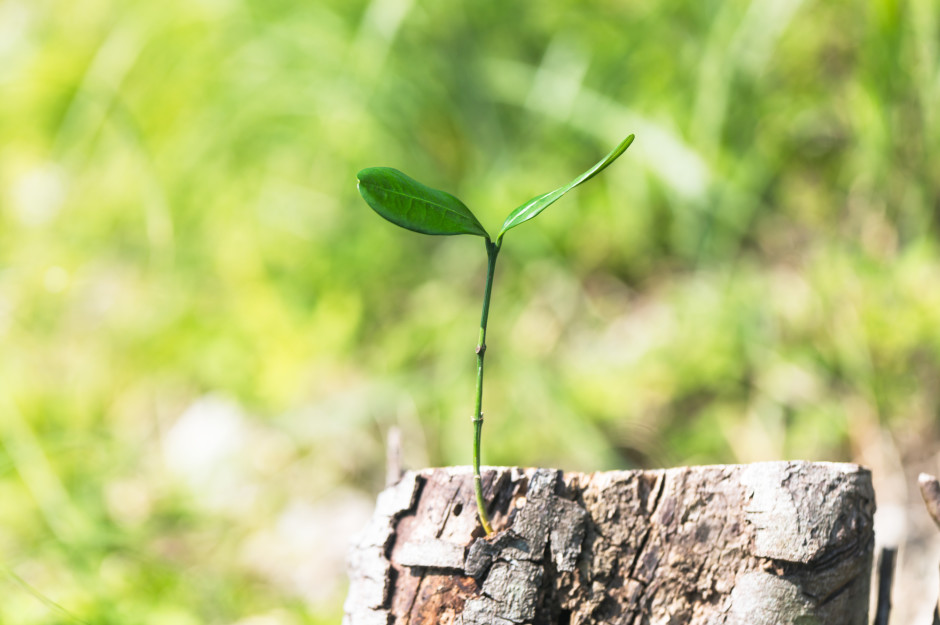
411 205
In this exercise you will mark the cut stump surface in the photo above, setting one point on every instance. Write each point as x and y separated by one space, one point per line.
761 544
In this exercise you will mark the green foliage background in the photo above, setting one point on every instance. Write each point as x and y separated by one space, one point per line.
180 233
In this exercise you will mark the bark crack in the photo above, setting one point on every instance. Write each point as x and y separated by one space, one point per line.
837 592
447 512
414 604
641 546
690 545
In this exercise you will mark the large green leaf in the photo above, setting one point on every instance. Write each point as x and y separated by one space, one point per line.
406 202
536 205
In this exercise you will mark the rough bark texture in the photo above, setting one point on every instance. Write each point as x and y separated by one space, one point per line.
761 544
930 490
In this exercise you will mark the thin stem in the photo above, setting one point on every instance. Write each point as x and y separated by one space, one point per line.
492 250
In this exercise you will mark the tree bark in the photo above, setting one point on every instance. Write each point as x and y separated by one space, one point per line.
761 544
930 491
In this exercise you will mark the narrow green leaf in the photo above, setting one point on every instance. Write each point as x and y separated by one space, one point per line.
406 202
536 205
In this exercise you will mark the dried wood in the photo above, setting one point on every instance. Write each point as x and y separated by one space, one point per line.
930 491
761 544
886 562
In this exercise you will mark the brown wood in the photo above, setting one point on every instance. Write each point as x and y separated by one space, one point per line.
930 491
761 544
887 560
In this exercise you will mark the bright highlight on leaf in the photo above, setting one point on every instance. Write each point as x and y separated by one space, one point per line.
539 203
406 202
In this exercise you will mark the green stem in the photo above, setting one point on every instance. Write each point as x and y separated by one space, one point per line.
492 250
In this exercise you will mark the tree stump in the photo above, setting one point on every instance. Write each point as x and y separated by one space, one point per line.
762 544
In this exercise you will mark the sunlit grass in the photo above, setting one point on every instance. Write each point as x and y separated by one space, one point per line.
181 242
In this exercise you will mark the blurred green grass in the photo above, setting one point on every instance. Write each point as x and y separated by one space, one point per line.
206 334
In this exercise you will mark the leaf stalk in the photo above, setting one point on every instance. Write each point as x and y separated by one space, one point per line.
492 251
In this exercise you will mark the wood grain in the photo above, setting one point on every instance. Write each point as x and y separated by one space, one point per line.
760 544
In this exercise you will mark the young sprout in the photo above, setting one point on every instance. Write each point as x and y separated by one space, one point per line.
414 206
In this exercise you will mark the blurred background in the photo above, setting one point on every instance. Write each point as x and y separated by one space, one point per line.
206 335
